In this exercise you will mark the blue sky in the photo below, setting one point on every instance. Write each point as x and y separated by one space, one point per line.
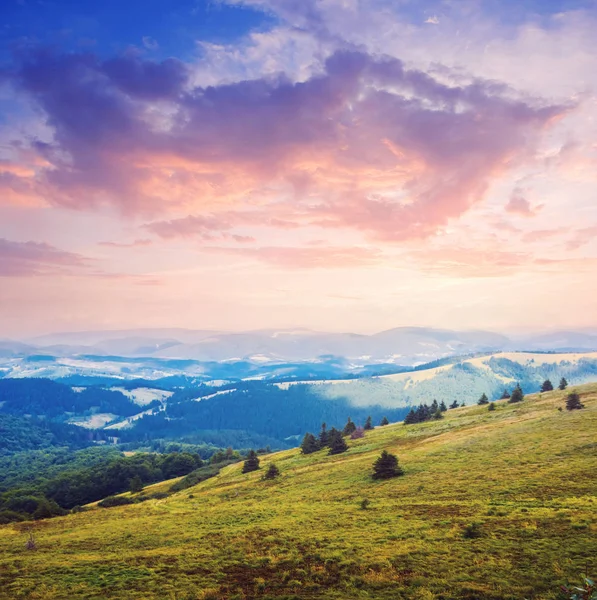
170 28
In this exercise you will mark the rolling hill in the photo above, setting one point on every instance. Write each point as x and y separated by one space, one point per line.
493 505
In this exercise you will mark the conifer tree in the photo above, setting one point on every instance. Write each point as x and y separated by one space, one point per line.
505 395
563 384
386 466
573 402
323 436
491 406
517 395
483 400
252 462
442 406
349 427
368 425
272 472
463 404
384 421
454 404
336 442
546 386
434 406
309 444
410 417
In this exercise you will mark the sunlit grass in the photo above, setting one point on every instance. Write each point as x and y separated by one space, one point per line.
526 473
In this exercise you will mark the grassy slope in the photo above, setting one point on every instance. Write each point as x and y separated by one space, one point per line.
527 473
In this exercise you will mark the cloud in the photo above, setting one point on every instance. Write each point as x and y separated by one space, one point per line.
365 144
133 244
328 257
519 205
432 20
31 258
582 237
150 43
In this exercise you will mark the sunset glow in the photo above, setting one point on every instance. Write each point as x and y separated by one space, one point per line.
340 165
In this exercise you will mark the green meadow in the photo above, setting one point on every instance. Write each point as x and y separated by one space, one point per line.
492 505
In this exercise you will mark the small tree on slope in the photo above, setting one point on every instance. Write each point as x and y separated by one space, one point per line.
547 386
252 462
336 442
483 399
573 402
386 466
272 472
309 444
517 395
349 427
384 421
368 425
563 384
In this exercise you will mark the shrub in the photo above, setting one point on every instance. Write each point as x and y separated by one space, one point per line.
358 433
472 531
364 504
491 406
111 501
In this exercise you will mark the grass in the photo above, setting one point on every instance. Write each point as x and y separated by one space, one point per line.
523 479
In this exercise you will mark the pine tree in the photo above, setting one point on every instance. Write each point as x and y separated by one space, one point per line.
384 421
386 466
517 395
349 427
563 384
323 436
252 462
505 395
410 417
336 442
368 425
434 406
136 485
463 404
454 404
573 402
491 406
309 444
442 406
546 386
272 472
483 400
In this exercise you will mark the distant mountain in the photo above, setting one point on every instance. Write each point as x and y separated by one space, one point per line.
300 353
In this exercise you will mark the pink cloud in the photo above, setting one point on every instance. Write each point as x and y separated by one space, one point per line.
366 145
133 244
582 237
519 205
306 258
31 258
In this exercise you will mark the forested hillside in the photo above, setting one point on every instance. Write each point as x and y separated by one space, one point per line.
492 501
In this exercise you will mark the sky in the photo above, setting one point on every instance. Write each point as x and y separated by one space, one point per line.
339 165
